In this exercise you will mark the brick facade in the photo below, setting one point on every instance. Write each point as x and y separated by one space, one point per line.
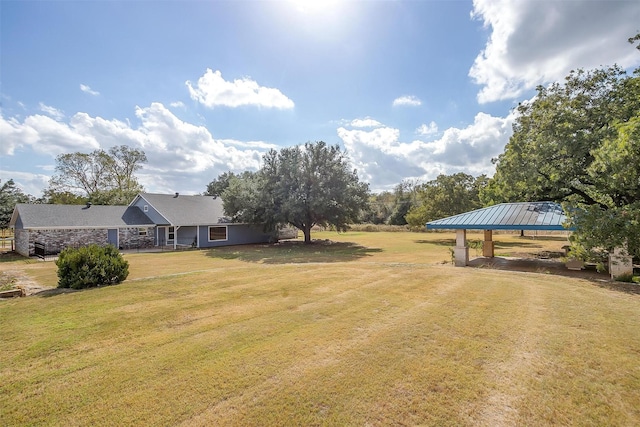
56 240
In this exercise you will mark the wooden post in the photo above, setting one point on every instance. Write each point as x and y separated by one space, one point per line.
461 251
487 245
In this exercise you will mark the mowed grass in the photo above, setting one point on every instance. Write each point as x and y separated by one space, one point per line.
370 329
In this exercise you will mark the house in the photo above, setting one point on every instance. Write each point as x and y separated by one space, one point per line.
196 221
149 220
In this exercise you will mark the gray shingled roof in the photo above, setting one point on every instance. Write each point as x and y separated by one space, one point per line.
507 216
78 216
187 210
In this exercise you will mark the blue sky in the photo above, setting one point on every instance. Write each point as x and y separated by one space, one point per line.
410 89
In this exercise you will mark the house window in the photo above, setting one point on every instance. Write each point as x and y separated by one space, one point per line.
217 233
171 233
142 231
145 208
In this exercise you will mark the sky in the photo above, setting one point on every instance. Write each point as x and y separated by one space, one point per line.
409 89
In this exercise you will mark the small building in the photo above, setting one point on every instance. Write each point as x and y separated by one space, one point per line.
149 220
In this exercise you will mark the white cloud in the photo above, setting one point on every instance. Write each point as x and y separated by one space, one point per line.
534 42
408 100
29 183
87 89
212 90
181 156
44 135
260 145
51 111
383 160
177 104
367 122
426 130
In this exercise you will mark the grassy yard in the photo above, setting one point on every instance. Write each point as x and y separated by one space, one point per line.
368 329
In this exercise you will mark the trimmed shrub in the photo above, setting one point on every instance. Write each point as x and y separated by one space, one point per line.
91 266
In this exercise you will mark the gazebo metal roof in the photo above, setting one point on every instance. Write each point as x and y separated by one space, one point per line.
507 216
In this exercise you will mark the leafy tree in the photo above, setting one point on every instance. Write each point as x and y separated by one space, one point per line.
445 196
300 186
63 198
10 196
102 177
635 39
221 183
550 151
405 200
577 143
616 170
379 209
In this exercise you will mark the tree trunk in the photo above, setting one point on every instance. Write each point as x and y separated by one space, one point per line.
307 234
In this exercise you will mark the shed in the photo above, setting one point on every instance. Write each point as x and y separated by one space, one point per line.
542 216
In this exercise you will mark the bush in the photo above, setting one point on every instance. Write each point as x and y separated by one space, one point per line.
91 266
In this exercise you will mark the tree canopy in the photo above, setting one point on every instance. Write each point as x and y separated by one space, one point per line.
301 186
10 196
445 196
105 178
217 186
577 143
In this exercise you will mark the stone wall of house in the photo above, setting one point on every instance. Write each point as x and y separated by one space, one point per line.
56 240
130 238
22 241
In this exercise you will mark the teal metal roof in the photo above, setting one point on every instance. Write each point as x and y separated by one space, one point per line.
507 216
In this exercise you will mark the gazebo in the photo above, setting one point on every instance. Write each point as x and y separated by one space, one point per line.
538 216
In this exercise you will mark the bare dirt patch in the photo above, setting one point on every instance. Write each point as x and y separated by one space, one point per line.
20 280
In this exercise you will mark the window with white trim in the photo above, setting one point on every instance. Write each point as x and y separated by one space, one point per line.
217 233
142 231
145 208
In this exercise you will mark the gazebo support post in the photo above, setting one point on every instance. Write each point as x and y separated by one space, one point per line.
620 263
461 251
487 245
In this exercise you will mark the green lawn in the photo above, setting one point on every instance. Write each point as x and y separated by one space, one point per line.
372 329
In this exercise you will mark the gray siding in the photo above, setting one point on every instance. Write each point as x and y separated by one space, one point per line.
153 214
237 234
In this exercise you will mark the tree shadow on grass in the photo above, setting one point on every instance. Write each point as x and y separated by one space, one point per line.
294 252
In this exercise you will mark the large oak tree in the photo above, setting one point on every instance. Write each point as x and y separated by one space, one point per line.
577 143
301 186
